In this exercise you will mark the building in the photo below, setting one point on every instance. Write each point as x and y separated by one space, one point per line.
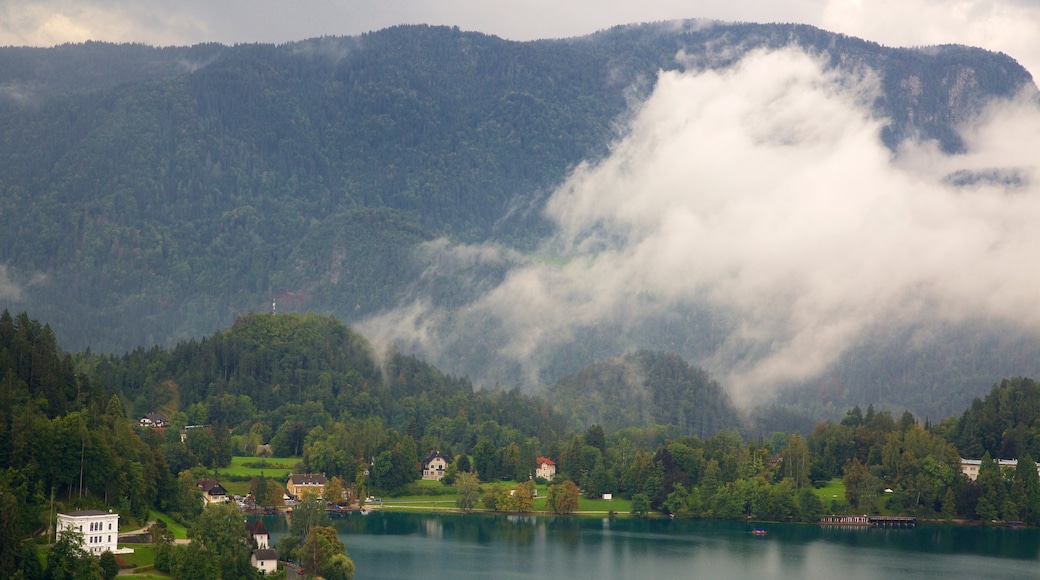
100 530
546 468
265 560
303 485
433 465
154 421
258 534
970 467
212 491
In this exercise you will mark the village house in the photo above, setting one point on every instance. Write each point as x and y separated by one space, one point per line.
433 465
154 421
970 467
212 491
258 534
546 468
100 530
265 560
303 485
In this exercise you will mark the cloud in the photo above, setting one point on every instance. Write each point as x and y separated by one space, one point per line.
9 290
1009 26
762 196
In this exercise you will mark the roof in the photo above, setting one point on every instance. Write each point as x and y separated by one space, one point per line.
206 484
256 527
265 554
434 455
89 513
544 460
307 478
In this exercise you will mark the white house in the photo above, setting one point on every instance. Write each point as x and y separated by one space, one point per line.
212 491
266 560
100 530
258 533
154 421
970 467
433 466
546 468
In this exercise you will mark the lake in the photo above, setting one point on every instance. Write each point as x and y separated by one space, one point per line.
387 545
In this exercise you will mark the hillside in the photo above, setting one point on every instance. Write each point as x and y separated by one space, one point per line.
153 195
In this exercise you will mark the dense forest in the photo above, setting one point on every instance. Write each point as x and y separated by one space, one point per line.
152 195
308 386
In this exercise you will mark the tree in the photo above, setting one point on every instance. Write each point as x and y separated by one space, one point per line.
335 490
494 498
468 488
220 533
1026 489
861 486
796 460
676 502
67 560
319 554
640 505
339 567
306 515
260 491
109 565
810 508
563 498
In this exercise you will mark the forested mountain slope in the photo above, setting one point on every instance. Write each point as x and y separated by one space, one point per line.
149 195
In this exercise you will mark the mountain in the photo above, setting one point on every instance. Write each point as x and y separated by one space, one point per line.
151 195
646 388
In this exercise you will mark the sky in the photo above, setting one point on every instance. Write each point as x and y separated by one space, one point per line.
1009 26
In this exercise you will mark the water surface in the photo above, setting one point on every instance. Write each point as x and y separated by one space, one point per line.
401 545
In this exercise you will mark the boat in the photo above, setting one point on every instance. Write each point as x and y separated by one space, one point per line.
758 532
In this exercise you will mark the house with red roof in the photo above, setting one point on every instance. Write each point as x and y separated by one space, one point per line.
546 468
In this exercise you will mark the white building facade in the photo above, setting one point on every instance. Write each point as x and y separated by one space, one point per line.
100 529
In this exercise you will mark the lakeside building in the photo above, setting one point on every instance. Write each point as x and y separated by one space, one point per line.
546 468
970 467
100 530
303 485
433 465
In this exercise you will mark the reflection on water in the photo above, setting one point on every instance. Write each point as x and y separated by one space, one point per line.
398 545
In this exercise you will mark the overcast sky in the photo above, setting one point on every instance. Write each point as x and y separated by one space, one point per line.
1010 26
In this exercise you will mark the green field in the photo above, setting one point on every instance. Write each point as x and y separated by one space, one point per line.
277 468
236 477
832 493
447 502
179 531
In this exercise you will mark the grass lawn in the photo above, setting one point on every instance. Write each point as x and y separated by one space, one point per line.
833 492
144 555
179 532
447 502
277 468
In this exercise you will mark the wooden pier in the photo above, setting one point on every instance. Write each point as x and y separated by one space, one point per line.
865 520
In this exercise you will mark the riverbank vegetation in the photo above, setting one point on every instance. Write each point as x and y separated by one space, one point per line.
310 391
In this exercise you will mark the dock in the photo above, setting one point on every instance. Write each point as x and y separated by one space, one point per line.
865 520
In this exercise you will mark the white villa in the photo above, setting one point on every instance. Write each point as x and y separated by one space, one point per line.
100 530
546 468
970 467
434 465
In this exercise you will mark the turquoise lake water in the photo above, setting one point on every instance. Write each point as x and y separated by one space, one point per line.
401 545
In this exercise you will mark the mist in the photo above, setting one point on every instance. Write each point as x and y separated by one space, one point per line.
751 220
